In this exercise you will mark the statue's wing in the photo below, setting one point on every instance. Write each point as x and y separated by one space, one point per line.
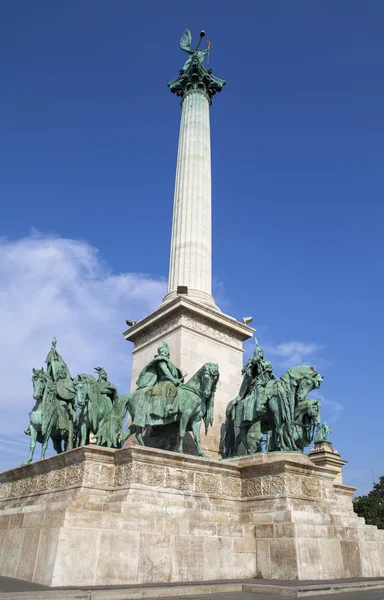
185 41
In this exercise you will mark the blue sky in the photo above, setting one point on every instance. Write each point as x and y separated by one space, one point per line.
88 147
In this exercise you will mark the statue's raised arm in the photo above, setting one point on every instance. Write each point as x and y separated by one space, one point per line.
194 75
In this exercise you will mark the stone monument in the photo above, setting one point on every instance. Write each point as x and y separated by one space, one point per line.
188 318
100 514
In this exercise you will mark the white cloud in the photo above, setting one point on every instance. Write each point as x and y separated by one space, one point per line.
60 287
290 354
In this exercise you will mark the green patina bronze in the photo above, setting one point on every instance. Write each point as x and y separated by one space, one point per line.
194 75
163 401
278 408
54 413
322 433
97 400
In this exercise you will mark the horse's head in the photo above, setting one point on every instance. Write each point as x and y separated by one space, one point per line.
82 389
39 380
208 384
307 417
313 411
307 379
209 379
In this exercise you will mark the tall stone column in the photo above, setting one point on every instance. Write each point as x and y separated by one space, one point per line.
191 243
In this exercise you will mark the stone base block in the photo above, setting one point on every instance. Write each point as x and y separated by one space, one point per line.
196 334
94 516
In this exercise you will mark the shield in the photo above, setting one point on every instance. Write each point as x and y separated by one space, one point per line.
64 389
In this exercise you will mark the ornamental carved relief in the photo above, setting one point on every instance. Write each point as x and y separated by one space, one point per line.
179 479
207 483
123 475
293 485
252 487
161 330
272 485
56 479
311 487
74 474
231 486
99 474
145 474
4 490
203 326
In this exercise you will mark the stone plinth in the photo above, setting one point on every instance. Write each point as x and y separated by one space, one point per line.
94 516
196 334
324 454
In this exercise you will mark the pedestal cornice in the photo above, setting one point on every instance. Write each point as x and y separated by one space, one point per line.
196 77
184 312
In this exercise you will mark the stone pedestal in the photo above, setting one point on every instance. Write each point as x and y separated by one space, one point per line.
94 516
196 334
324 454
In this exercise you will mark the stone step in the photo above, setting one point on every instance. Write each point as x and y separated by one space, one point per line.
293 589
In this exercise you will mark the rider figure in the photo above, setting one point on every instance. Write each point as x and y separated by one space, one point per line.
108 391
155 385
258 373
66 393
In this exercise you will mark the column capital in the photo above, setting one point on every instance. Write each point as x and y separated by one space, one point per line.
195 76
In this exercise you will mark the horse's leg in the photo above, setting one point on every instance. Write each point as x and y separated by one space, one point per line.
229 438
242 437
70 435
196 424
44 446
289 440
139 435
56 440
127 434
32 444
254 437
237 444
83 433
273 406
184 419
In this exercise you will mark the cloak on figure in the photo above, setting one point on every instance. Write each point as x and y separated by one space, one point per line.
65 388
155 392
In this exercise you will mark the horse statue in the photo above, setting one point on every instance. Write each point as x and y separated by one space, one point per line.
99 412
307 419
288 416
186 405
45 416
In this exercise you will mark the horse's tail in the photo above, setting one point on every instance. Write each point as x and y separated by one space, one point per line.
123 405
208 417
229 437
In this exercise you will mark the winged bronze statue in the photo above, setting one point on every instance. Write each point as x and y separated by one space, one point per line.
185 45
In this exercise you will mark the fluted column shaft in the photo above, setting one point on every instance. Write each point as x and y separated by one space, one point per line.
191 243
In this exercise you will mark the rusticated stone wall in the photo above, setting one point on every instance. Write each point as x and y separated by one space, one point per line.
97 516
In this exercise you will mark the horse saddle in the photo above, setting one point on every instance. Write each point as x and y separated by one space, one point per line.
163 396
